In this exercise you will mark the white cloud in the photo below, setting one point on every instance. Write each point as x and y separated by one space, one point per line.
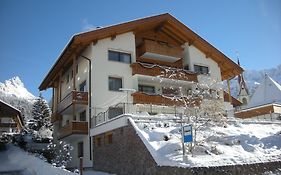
86 25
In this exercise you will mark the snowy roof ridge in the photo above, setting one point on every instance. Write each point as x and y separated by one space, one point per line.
274 82
269 91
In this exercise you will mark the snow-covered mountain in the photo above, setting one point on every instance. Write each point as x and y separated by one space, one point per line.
15 87
12 91
254 77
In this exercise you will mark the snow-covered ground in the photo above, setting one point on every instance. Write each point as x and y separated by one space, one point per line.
16 160
228 144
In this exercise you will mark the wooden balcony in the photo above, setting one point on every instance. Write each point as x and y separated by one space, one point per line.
74 97
164 72
55 117
171 53
74 127
143 98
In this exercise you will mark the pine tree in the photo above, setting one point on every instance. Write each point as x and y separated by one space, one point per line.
41 114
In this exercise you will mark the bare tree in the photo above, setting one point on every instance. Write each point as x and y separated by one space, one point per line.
202 101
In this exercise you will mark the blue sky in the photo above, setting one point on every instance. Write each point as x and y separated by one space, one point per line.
33 33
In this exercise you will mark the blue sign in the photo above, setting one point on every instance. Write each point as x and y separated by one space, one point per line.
187 133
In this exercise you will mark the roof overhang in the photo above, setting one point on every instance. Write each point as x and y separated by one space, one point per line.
164 22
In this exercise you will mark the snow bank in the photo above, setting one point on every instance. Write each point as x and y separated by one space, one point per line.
14 159
216 146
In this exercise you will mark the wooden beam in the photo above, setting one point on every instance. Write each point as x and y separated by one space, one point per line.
190 42
178 40
112 37
229 93
178 32
220 63
95 42
208 54
159 27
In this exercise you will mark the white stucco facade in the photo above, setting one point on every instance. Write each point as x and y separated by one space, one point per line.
102 68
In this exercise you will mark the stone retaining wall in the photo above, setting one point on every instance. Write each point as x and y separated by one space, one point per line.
127 155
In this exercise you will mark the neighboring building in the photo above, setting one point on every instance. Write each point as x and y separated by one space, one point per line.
10 118
265 103
88 75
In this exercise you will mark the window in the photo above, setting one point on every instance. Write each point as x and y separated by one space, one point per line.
186 67
80 149
108 138
83 116
114 83
147 89
77 69
201 69
119 56
98 141
82 86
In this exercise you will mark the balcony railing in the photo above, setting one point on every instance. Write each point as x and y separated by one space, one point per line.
163 72
74 127
76 97
143 98
154 47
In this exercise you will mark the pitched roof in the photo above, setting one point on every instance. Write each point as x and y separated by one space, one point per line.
7 110
269 91
165 22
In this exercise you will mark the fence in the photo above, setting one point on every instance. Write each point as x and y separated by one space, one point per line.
102 115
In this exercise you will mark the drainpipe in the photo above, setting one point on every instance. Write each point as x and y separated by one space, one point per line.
90 102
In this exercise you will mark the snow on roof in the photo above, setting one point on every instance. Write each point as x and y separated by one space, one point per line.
10 106
269 91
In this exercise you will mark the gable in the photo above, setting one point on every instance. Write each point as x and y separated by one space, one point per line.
267 92
167 27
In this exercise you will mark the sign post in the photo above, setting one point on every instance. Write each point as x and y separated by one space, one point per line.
186 135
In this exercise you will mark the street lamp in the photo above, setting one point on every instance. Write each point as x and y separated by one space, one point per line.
127 90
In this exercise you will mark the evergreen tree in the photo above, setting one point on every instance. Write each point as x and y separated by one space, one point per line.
60 153
41 114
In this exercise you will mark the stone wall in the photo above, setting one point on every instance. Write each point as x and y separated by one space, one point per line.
128 155
125 155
